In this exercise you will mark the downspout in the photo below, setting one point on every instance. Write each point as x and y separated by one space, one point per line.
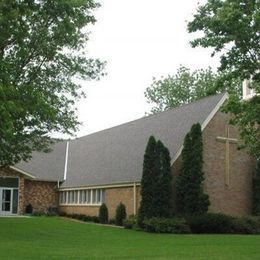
66 161
135 209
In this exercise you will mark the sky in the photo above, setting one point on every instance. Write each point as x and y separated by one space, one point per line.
139 40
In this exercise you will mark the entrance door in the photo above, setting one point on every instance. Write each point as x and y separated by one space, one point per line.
5 201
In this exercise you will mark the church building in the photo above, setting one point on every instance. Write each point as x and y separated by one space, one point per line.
77 176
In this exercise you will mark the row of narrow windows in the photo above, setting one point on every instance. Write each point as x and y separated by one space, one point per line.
89 197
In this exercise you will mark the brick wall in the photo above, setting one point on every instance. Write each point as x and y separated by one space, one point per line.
235 199
113 196
41 194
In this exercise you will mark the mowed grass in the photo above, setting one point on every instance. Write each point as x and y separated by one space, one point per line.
57 238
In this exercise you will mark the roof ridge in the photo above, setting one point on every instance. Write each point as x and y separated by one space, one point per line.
150 116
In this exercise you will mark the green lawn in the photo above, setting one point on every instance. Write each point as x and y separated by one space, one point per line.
56 238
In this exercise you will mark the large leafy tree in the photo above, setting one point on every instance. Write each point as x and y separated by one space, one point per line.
190 196
186 86
232 29
42 46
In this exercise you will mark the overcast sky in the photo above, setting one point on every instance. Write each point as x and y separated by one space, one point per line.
139 39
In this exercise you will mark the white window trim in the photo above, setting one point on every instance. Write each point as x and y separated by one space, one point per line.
76 201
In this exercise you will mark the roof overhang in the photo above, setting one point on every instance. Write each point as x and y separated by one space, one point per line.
103 186
23 172
204 124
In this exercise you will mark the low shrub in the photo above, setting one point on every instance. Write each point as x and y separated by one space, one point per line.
112 221
130 222
103 214
166 225
211 223
120 214
52 211
38 213
247 225
62 214
75 215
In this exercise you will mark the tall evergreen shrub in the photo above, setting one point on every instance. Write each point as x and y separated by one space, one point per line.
148 182
256 191
156 187
103 214
120 214
190 196
163 187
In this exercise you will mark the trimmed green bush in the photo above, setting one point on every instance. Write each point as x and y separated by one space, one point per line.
130 222
120 214
38 214
103 214
167 225
247 225
211 223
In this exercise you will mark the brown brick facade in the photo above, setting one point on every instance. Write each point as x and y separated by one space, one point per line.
235 199
41 194
113 196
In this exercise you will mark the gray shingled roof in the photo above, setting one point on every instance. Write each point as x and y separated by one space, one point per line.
46 166
116 155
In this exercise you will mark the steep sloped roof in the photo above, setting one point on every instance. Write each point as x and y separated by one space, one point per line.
46 166
116 155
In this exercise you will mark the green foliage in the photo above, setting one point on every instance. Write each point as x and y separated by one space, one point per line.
156 187
186 86
256 191
231 27
120 214
41 54
148 182
162 202
81 217
166 225
246 225
130 222
216 223
210 223
103 214
246 115
190 196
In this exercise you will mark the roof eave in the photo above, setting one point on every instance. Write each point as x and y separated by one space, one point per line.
204 124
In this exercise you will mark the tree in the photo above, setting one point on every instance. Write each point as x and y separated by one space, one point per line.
231 28
190 196
41 54
148 182
186 86
156 186
256 191
120 214
103 214
163 204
